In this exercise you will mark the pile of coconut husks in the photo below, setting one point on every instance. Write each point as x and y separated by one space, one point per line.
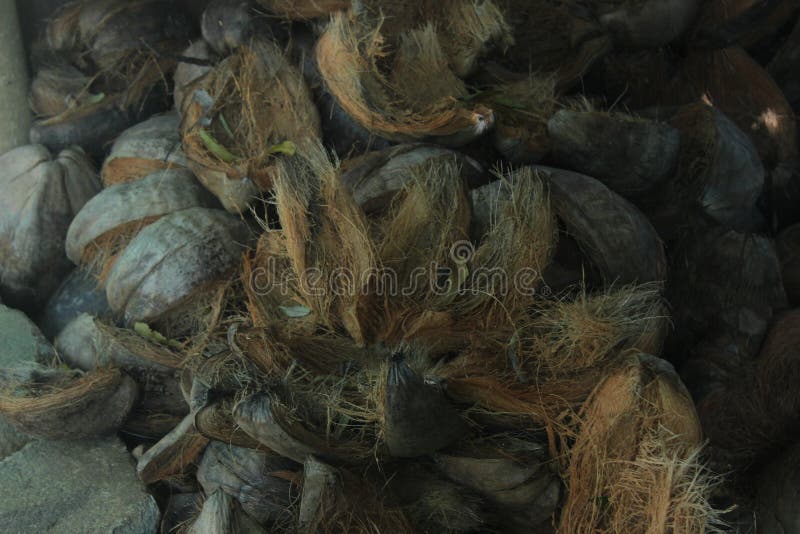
465 266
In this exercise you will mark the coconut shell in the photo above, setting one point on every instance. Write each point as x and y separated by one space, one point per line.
180 510
215 421
788 246
628 154
199 61
172 260
41 194
651 23
217 515
226 24
77 406
776 493
722 23
375 178
303 9
78 294
418 419
173 454
150 146
779 368
259 481
612 232
264 102
110 220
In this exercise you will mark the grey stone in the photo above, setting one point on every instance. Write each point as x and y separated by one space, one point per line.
74 487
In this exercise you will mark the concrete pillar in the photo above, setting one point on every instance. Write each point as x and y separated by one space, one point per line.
15 115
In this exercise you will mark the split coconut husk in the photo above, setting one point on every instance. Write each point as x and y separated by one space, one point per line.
243 115
107 223
630 155
417 96
115 57
635 465
262 482
65 404
788 246
173 454
41 194
172 265
141 150
722 23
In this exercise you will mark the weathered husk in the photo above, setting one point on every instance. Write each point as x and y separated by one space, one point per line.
150 146
94 404
265 102
111 219
351 74
180 510
634 464
78 294
611 231
227 24
375 178
41 194
303 9
56 87
215 421
777 505
220 513
173 455
651 23
784 65
186 73
788 247
173 260
628 154
722 23
260 481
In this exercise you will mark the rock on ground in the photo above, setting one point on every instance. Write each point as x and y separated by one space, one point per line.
74 487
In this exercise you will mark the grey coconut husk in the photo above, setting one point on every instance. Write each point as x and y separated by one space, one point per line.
262 482
107 223
783 67
417 97
61 404
776 492
649 23
180 510
246 112
172 264
221 513
143 149
77 294
173 455
746 23
41 194
200 59
226 24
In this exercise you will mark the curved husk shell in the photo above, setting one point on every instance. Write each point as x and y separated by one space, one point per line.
747 23
776 493
215 421
56 87
150 146
41 194
67 406
187 73
651 23
635 462
628 154
173 455
173 260
109 221
77 294
251 102
612 232
227 24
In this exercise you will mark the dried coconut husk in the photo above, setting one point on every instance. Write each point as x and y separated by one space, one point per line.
180 510
648 23
262 482
553 37
253 102
630 155
174 265
221 513
414 99
303 9
197 61
788 247
722 23
57 87
612 232
226 24
173 455
110 220
776 493
77 294
61 404
41 194
215 421
375 178
635 463
141 150
784 65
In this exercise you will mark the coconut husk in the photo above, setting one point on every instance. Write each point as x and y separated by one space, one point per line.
172 261
141 150
173 454
216 422
62 32
226 24
258 105
375 178
198 61
613 233
628 154
783 67
648 24
635 78
57 87
179 511
415 99
261 482
112 219
77 294
62 404
41 195
304 9
788 247
635 462
722 23
776 496
221 513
